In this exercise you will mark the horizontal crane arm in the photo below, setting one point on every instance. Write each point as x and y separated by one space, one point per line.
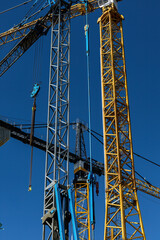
18 32
37 28
17 133
148 188
21 31
98 167
41 28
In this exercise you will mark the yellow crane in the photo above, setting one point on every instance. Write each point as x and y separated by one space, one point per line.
122 216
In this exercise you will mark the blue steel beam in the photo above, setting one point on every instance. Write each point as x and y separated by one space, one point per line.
59 212
73 215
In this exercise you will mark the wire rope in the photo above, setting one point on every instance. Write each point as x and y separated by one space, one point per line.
126 164
88 81
136 154
36 13
95 137
89 118
146 159
44 124
19 5
25 19
133 153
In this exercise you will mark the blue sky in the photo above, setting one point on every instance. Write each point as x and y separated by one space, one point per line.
20 210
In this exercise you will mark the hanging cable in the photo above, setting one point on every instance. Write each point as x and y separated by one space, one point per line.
7 10
43 125
40 61
34 93
136 154
96 133
34 14
25 18
139 175
146 159
95 137
91 177
133 153
89 130
35 9
86 28
126 164
31 142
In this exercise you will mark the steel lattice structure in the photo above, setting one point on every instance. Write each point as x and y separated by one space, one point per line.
81 186
123 218
58 116
98 167
82 210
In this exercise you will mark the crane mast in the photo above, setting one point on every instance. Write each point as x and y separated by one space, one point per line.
81 185
57 168
122 216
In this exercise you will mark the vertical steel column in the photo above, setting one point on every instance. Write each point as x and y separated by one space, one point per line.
123 217
81 185
82 210
56 170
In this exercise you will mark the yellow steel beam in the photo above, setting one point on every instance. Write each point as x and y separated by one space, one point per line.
123 217
147 188
82 210
17 32
21 31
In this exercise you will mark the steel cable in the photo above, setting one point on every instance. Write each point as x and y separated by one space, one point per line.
9 9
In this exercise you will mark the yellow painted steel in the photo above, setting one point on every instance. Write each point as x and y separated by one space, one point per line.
82 210
80 169
122 217
17 32
21 31
146 187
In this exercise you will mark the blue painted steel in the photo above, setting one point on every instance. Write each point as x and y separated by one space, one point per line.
35 91
90 175
73 215
88 77
50 2
59 212
53 211
91 181
87 38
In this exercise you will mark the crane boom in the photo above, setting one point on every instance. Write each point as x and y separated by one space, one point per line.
148 188
41 28
98 167
17 32
32 31
18 134
21 31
